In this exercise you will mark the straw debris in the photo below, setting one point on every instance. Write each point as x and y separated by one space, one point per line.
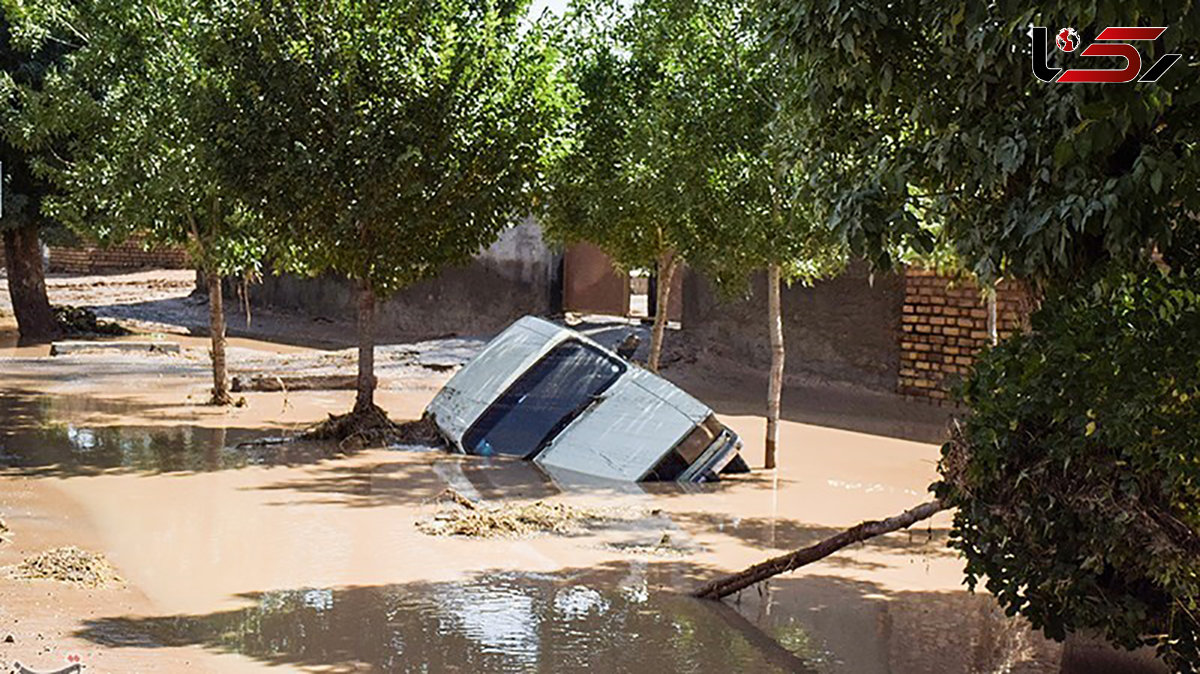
67 565
372 427
464 517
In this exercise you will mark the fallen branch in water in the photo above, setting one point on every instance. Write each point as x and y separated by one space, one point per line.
727 585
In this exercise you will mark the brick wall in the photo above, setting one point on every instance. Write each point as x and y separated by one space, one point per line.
944 325
129 255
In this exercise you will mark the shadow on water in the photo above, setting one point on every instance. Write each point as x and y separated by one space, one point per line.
495 623
33 444
778 533
609 619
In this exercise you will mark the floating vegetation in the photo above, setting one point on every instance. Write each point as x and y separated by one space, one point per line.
372 427
464 517
67 565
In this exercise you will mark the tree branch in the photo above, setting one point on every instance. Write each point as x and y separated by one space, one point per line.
727 585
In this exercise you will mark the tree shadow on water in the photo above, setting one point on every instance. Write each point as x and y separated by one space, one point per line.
31 444
604 618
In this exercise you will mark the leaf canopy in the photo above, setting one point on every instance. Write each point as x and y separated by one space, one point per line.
382 140
926 124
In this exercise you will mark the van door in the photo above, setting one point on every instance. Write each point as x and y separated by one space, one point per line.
621 437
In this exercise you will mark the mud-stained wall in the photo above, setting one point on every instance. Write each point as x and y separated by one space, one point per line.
517 275
591 283
844 329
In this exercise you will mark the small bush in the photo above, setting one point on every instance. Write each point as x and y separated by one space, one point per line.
1077 475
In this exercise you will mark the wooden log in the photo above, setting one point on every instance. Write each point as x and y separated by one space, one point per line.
79 347
727 585
287 382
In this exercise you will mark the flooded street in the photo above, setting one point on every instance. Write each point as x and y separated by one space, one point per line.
242 554
302 556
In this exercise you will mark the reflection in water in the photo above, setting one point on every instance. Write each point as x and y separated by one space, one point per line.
500 623
859 626
188 448
29 442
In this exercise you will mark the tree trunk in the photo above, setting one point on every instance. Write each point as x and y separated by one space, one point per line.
775 385
216 329
27 283
993 325
667 263
723 587
365 401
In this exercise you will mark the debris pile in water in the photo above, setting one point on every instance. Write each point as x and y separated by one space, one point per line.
372 427
67 565
83 321
665 547
467 518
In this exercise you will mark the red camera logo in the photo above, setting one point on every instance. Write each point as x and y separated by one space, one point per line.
1112 41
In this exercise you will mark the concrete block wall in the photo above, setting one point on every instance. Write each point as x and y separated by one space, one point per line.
944 325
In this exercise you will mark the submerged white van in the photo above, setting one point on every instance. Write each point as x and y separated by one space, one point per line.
551 395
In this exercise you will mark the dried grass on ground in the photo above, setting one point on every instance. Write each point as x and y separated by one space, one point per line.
462 517
67 565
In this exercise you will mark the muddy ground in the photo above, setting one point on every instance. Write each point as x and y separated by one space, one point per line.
305 558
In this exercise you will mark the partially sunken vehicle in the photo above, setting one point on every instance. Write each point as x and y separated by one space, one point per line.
553 396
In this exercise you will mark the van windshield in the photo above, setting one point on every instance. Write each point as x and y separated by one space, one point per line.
543 401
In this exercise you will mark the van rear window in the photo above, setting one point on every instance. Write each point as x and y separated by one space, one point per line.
543 401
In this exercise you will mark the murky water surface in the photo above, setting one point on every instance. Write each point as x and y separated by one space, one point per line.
70 449
246 522
500 623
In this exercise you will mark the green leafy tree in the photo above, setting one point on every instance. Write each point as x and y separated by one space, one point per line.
681 154
633 180
124 107
758 210
923 120
21 219
382 140
1074 476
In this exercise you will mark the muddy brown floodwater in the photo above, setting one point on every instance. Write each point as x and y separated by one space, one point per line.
249 557
301 557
